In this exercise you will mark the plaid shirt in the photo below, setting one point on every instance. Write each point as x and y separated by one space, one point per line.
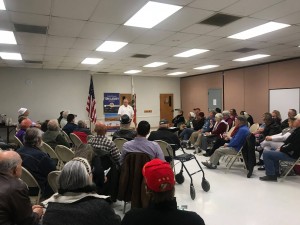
105 144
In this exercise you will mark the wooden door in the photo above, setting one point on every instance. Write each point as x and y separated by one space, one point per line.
166 107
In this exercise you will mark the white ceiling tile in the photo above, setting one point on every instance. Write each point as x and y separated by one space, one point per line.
177 39
100 31
57 42
199 42
154 49
78 53
183 19
214 5
293 19
70 59
133 48
219 43
117 11
33 65
9 48
29 19
74 9
32 49
51 59
199 29
85 44
153 36
246 7
56 51
30 39
65 27
126 34
5 25
30 6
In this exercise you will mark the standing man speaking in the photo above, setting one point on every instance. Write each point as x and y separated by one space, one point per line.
126 109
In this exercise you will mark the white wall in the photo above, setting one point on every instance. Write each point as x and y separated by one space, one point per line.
47 92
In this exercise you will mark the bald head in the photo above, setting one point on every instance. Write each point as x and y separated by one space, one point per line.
53 125
100 128
26 123
11 162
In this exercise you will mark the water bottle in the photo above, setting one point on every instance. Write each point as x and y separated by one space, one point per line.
191 124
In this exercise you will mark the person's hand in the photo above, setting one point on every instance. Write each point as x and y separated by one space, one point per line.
38 209
225 145
268 138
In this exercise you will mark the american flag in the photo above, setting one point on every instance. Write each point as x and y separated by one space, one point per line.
91 103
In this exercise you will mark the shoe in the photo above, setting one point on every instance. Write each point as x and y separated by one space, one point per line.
206 155
269 178
250 171
209 165
260 163
261 168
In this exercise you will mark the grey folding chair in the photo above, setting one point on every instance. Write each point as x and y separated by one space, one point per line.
31 183
47 149
233 158
64 154
75 139
167 150
53 180
289 166
66 136
119 143
17 141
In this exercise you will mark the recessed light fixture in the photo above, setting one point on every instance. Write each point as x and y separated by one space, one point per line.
251 57
132 71
111 46
206 67
259 30
2 6
155 64
176 73
191 52
7 37
10 56
91 61
152 14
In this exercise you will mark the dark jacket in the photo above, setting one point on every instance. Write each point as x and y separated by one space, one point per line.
54 138
271 129
69 128
87 211
38 163
166 135
284 124
198 123
161 214
291 144
178 120
128 134
15 206
131 184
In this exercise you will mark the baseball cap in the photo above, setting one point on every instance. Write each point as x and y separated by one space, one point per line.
163 121
159 176
125 119
21 111
197 109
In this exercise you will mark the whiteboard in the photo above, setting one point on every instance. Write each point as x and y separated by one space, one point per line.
283 100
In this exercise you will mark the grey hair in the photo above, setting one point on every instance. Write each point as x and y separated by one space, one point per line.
226 113
219 116
33 137
75 175
65 114
242 119
81 124
8 164
53 125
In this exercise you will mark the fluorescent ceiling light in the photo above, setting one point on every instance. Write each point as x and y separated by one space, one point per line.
2 6
155 64
259 30
132 71
191 52
7 37
206 67
111 46
92 61
10 56
251 57
152 14
176 73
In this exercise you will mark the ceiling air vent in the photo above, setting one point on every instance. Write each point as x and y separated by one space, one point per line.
102 72
33 61
170 68
220 20
30 29
244 50
143 56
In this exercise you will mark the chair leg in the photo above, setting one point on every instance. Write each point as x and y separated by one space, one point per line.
287 171
124 208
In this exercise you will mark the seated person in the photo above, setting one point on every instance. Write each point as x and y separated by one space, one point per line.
102 144
291 114
53 135
248 117
289 151
187 123
24 114
38 163
24 125
15 206
233 146
70 126
219 128
276 116
163 133
82 131
160 182
233 114
179 119
141 144
44 125
125 130
227 118
76 201
196 125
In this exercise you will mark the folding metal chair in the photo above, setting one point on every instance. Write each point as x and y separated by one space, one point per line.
64 154
31 183
53 180
47 149
75 139
289 166
119 143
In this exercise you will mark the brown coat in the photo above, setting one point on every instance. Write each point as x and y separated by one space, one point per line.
131 183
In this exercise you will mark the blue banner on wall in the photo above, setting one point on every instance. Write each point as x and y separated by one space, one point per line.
111 104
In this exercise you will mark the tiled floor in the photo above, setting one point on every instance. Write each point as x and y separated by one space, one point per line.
236 200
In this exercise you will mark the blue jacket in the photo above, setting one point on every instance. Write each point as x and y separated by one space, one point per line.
239 138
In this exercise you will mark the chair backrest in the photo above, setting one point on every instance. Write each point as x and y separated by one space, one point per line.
31 183
17 141
119 143
75 139
66 136
254 127
53 180
230 131
64 154
47 149
165 147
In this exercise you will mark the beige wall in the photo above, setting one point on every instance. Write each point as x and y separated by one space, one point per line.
244 89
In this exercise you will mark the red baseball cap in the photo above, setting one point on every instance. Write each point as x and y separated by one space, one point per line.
159 176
